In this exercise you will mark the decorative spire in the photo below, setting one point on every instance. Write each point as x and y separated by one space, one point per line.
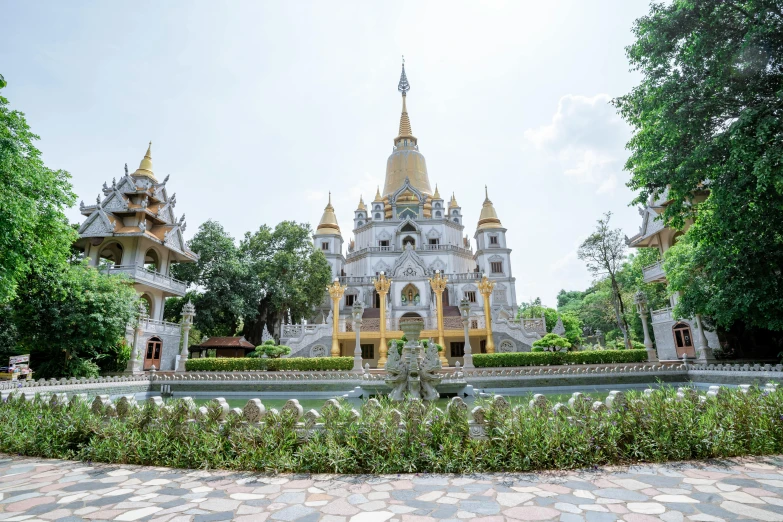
405 122
403 86
437 194
145 167
361 204
488 217
328 223
378 195
453 203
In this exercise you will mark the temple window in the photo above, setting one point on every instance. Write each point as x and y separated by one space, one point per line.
493 240
350 299
458 349
496 267
324 245
383 243
434 241
437 214
151 261
368 351
471 296
377 216
409 241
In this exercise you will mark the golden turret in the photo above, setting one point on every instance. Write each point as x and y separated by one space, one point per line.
361 204
453 202
437 194
488 217
328 223
378 197
145 167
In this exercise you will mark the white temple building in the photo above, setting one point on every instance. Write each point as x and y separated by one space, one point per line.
405 237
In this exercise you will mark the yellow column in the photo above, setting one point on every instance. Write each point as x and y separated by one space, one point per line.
336 292
485 287
438 284
382 285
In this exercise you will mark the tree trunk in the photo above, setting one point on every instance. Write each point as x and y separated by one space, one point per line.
618 304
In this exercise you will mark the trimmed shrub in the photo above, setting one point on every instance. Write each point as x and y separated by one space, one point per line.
304 364
243 364
552 342
493 360
225 364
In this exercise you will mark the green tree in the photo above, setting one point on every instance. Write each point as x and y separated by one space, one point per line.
291 272
708 115
227 290
72 321
33 229
604 252
552 343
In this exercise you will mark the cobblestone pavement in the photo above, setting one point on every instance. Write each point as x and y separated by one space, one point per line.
741 489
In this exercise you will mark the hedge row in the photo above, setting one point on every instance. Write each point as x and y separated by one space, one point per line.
240 364
493 360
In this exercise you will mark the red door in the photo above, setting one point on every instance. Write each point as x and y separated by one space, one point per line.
152 356
683 340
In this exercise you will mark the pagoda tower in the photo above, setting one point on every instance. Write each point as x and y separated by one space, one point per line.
132 229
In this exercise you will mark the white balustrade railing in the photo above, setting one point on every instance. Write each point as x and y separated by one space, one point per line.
662 316
143 275
653 272
163 327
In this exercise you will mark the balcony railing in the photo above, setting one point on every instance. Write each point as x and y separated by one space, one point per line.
392 248
160 327
653 272
663 315
152 278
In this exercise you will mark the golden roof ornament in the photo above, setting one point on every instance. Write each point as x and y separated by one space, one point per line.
488 217
328 223
437 194
378 197
453 202
145 167
361 206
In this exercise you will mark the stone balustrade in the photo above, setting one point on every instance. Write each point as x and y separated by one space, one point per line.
479 421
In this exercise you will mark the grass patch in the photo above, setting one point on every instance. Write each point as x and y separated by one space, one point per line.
657 428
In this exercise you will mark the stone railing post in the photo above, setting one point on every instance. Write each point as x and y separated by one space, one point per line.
358 310
188 312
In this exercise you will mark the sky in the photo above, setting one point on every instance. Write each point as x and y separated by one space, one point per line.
257 110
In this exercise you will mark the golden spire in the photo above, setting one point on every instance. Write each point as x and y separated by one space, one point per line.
488 217
405 122
378 197
361 204
453 202
437 194
328 223
145 167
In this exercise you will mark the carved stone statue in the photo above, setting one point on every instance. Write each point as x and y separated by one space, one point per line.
414 373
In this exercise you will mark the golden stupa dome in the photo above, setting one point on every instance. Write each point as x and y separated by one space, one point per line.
488 217
328 223
145 167
406 161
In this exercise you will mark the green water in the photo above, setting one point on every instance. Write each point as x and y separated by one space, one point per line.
317 404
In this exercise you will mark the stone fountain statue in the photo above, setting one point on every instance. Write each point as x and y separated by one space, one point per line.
413 373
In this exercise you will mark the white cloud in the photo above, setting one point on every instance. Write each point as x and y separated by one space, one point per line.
586 137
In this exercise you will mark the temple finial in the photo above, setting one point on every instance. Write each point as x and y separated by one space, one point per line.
486 193
330 197
403 86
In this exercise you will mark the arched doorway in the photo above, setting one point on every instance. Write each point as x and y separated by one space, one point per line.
152 354
683 340
409 240
111 255
152 261
446 297
376 299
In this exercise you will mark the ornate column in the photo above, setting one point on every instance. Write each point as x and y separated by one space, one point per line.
358 310
382 285
641 306
438 284
188 312
135 363
486 286
336 291
703 350
467 358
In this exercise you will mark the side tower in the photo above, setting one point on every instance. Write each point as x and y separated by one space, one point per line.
493 256
132 230
327 239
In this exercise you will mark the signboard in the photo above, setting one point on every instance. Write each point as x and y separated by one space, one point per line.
16 359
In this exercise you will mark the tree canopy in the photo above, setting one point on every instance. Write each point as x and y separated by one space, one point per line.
707 122
34 231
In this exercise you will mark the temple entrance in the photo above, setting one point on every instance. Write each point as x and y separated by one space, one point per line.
376 299
683 340
152 355
408 240
446 297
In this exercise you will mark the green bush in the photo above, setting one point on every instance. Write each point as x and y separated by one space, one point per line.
225 364
304 364
646 429
271 351
552 342
493 360
240 364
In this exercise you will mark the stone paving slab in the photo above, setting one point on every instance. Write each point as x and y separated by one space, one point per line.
64 491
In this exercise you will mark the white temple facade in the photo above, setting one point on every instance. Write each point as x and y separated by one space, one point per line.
132 229
407 235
